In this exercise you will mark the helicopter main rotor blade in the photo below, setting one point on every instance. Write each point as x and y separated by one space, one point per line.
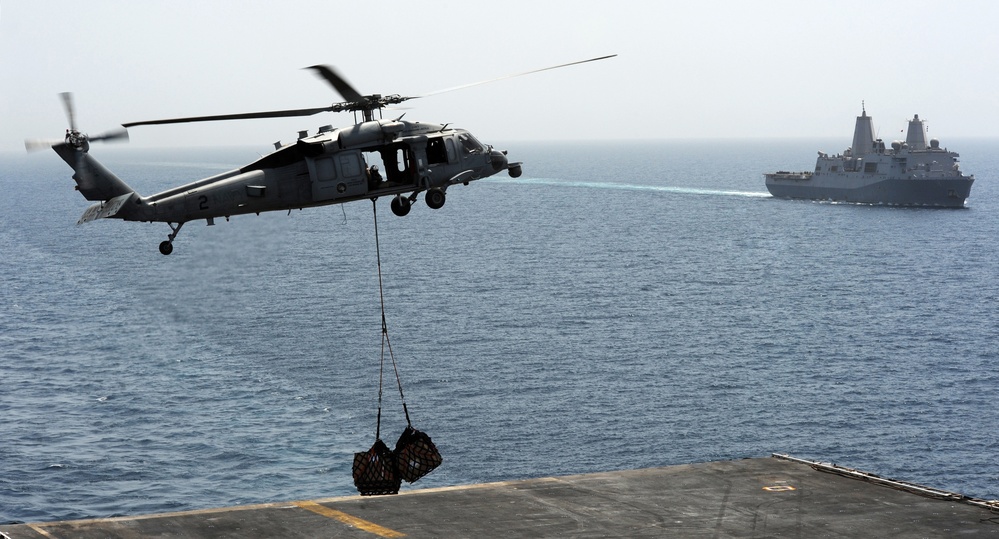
513 75
338 82
238 116
355 101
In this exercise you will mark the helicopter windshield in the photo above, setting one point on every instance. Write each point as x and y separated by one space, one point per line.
469 144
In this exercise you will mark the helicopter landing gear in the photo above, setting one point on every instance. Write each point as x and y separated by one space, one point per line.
435 198
166 247
401 205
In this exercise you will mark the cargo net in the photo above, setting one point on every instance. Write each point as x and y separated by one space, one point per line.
375 471
379 471
415 455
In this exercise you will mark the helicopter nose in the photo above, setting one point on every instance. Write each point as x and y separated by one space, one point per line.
498 159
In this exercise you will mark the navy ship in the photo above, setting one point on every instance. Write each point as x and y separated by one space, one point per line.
913 172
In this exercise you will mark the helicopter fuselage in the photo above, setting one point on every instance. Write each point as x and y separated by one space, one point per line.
367 160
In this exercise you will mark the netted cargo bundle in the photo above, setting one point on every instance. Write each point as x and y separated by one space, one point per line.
375 471
416 455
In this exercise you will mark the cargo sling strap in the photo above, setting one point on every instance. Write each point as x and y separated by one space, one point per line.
386 343
378 470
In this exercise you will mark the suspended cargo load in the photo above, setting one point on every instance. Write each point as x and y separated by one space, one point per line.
375 471
416 455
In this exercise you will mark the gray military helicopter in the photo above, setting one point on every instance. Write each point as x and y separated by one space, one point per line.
334 166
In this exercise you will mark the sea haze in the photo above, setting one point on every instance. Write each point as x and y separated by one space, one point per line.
619 306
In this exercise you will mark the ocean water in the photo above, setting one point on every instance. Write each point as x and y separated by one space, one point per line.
619 306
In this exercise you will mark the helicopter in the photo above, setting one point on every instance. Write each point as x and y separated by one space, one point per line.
332 166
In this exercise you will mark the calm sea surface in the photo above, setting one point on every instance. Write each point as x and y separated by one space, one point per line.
619 306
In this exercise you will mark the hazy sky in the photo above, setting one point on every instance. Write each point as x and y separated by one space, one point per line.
685 69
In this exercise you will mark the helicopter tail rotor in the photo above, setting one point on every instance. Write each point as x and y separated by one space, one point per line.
35 144
67 103
93 180
74 137
120 134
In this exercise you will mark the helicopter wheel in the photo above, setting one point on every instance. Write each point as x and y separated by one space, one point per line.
435 198
166 247
401 205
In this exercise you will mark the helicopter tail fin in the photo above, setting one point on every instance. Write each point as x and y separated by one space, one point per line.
93 180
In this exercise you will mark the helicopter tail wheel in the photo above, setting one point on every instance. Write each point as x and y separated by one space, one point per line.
401 205
435 198
166 247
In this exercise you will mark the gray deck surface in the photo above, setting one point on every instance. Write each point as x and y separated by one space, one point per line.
760 497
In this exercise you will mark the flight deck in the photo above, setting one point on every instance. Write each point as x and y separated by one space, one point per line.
779 496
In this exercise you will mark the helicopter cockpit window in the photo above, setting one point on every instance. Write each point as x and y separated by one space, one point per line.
469 145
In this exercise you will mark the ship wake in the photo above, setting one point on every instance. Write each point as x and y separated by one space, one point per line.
629 187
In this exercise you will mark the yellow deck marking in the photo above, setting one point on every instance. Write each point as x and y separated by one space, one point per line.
39 530
350 520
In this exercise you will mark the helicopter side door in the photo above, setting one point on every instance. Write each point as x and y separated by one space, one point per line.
337 175
402 164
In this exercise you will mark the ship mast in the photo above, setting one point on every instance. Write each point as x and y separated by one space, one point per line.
863 134
916 136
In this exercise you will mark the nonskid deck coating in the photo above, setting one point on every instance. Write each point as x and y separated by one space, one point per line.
760 497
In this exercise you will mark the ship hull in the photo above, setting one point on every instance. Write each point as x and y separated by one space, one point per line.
944 193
